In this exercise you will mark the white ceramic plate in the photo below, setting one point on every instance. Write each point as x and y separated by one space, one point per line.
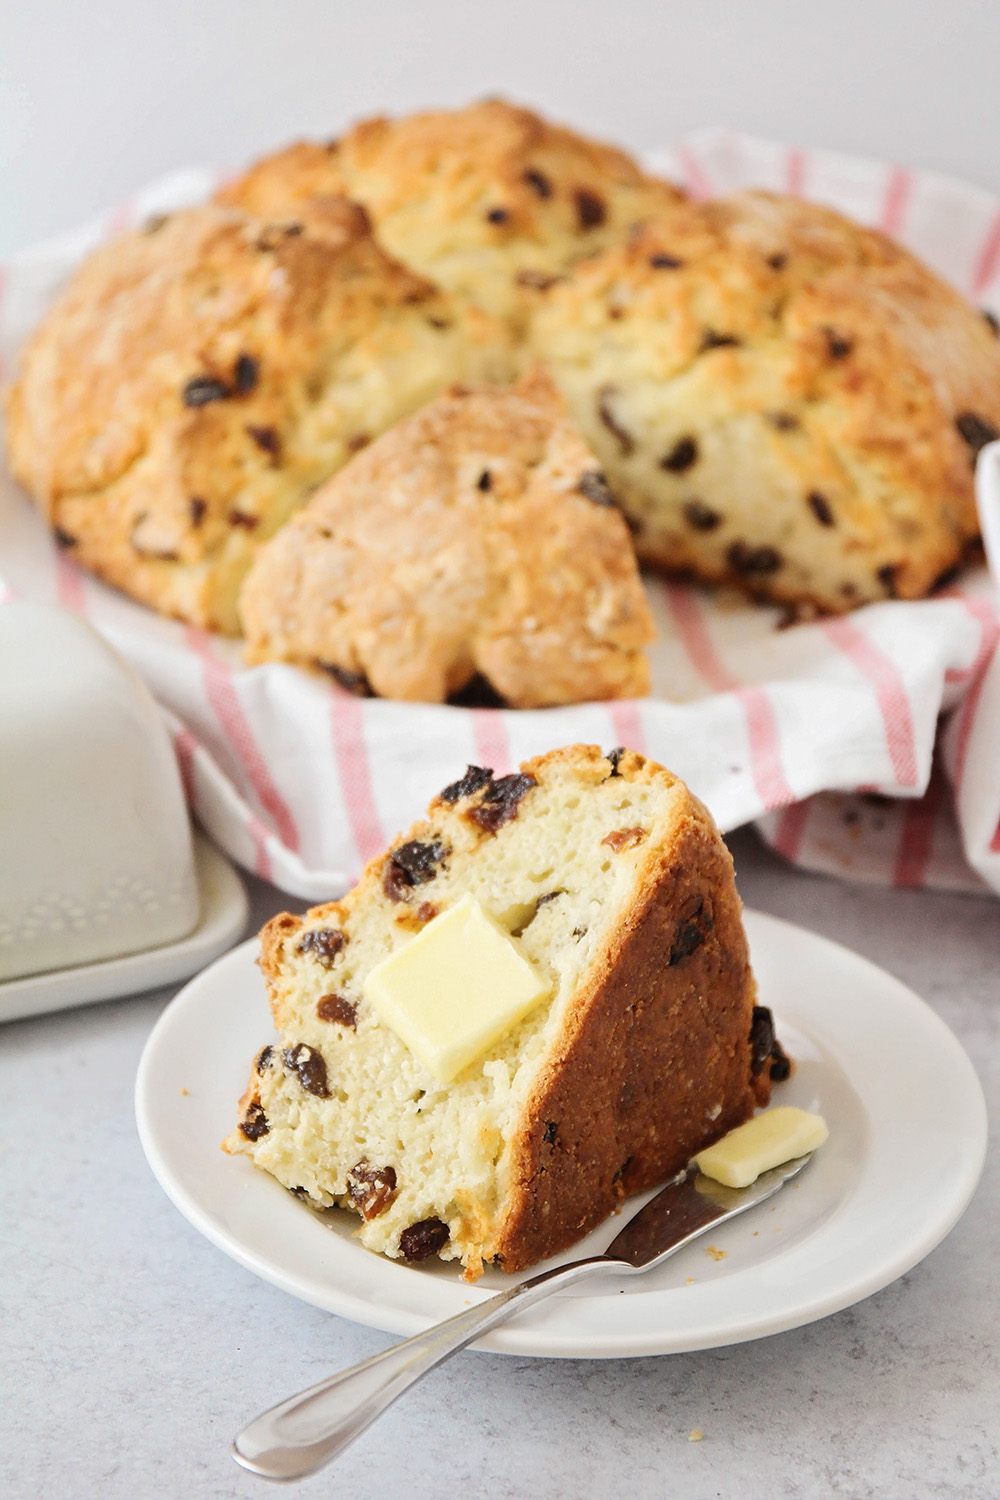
907 1139
223 918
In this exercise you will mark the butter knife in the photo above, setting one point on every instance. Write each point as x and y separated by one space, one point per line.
300 1435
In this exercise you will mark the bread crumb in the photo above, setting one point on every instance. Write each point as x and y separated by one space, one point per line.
715 1252
183 1091
695 1435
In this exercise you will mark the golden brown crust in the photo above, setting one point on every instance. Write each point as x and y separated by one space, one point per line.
277 183
196 380
654 1062
783 399
477 536
273 937
249 1100
490 200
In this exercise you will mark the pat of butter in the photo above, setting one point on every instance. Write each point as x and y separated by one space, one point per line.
768 1140
455 989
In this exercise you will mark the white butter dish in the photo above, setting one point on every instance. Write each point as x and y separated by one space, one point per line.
224 910
96 859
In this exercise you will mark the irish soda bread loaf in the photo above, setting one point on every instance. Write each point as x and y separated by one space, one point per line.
476 537
618 890
781 399
490 200
198 378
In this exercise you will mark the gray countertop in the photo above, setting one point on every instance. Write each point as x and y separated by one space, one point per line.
133 1349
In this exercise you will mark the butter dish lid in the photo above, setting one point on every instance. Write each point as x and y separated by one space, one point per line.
97 854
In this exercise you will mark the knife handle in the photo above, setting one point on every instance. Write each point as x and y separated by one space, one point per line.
300 1435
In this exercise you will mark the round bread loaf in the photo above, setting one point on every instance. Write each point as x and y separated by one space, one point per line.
198 378
781 399
490 201
478 536
616 887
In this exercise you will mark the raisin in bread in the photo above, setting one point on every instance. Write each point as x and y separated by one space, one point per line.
476 537
781 399
197 379
619 889
489 200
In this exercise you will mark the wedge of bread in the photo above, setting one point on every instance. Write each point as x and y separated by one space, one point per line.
611 881
477 538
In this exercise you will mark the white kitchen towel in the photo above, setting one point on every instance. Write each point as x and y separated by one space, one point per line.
827 734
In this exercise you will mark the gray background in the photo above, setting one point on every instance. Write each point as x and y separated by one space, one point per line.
98 96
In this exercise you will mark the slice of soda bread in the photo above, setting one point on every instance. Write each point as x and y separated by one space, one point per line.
476 536
615 885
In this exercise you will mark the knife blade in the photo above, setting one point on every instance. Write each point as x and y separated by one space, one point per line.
688 1206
